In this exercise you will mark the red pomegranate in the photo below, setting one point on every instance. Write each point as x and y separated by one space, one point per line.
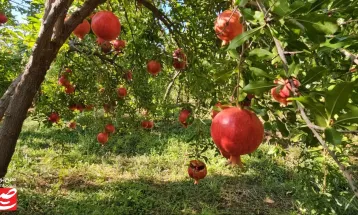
72 107
197 170
89 107
3 18
68 71
82 29
236 132
147 124
110 129
184 117
80 107
128 76
122 92
54 117
118 45
72 125
99 41
102 138
154 67
228 26
70 89
106 25
62 81
106 46
179 59
284 90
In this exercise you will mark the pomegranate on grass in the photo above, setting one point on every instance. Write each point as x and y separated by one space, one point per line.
197 170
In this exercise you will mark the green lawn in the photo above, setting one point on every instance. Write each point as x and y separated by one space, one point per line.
140 172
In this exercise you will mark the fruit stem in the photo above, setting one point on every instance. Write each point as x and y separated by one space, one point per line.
236 160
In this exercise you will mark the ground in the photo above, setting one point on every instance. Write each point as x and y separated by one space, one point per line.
143 172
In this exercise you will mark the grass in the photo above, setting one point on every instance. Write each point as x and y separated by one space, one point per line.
139 172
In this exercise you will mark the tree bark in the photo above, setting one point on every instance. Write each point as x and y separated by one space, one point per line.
5 99
44 52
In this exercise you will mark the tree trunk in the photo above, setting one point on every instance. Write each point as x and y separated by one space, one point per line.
5 99
44 52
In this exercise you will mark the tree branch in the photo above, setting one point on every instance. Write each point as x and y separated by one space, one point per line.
169 88
162 17
353 57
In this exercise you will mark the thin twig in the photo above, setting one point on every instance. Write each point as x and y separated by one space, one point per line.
353 57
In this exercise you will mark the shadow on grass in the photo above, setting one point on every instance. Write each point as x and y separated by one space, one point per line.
214 195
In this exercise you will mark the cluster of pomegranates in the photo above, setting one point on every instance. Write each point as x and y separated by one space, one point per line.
63 81
102 137
284 90
3 19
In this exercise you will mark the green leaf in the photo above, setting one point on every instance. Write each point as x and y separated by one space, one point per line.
240 39
350 117
258 87
337 98
333 136
241 3
282 128
314 74
315 107
262 54
260 73
280 7
320 23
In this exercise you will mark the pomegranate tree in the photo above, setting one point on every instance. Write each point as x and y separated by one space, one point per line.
228 26
236 132
197 170
106 25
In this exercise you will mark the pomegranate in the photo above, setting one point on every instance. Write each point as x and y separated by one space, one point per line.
80 107
185 117
82 29
154 67
228 26
62 81
89 107
110 129
3 18
284 90
106 25
147 124
72 107
106 47
54 117
197 170
99 41
72 125
68 71
122 92
118 45
236 132
179 59
70 89
128 76
102 138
